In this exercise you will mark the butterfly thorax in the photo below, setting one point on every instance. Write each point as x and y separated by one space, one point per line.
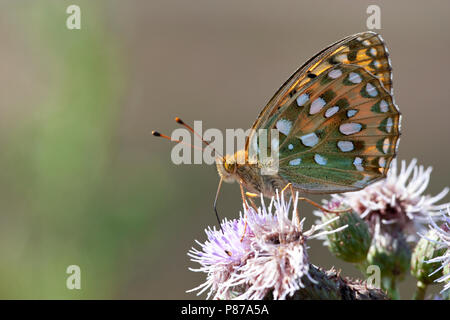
238 168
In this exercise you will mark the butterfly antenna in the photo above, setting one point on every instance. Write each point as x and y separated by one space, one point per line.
179 121
157 134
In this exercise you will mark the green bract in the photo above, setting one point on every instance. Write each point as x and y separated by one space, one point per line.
391 253
352 243
426 250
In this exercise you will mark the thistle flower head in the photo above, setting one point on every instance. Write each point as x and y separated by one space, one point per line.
398 200
271 258
352 244
443 240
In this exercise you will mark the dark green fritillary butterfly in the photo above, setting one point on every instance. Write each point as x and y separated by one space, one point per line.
337 120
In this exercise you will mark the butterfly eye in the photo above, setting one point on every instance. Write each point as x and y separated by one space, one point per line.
230 166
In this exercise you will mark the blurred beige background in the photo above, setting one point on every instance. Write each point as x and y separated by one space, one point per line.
82 180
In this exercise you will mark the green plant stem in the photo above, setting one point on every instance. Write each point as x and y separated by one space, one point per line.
421 289
390 285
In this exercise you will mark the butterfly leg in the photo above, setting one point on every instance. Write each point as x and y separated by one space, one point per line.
289 185
318 206
251 195
246 207
315 204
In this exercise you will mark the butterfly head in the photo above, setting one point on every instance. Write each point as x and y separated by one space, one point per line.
230 166
227 168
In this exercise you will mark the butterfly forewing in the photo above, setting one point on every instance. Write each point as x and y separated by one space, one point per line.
338 130
366 49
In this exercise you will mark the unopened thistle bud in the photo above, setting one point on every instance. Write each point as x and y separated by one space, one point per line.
352 243
426 249
391 253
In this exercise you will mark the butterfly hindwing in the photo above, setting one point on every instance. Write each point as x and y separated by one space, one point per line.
344 135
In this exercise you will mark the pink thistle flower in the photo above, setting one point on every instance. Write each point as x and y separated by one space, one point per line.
271 259
398 200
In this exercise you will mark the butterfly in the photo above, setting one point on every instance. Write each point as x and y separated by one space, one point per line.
337 121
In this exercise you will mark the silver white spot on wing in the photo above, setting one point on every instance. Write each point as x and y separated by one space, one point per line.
355 78
320 159
334 74
331 111
382 162
295 162
371 90
302 99
384 107
351 113
317 105
310 139
358 164
389 124
341 57
345 146
284 126
386 145
350 128
290 146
